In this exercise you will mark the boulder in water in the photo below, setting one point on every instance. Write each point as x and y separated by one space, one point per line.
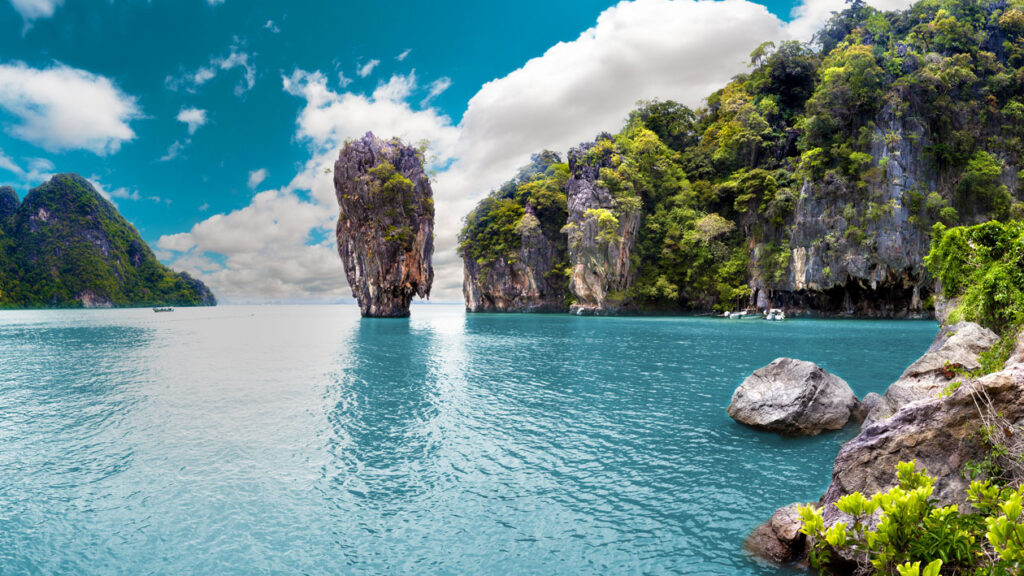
794 398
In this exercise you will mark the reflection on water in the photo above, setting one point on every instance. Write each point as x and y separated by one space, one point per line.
306 440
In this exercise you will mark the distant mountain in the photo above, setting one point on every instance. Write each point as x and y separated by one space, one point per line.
67 246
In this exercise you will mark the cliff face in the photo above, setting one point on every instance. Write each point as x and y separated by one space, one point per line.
385 225
601 236
65 245
526 283
512 246
859 262
8 204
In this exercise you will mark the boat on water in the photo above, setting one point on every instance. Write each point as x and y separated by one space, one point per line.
163 309
743 314
775 315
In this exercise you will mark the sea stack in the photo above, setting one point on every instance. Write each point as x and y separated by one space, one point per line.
385 225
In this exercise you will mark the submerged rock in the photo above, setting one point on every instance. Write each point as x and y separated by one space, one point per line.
601 234
385 225
779 539
956 349
795 398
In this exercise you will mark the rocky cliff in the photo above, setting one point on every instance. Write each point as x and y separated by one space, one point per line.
601 233
66 246
512 247
813 181
385 225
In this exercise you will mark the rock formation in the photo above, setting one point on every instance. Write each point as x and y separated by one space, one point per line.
940 431
779 539
794 398
955 350
521 267
601 234
66 246
527 283
385 225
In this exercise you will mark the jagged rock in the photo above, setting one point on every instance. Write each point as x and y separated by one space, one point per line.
956 348
779 539
385 225
793 397
941 434
602 272
524 285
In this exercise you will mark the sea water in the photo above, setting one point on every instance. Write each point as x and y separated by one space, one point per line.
304 440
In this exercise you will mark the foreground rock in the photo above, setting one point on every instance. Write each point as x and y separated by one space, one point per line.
942 434
779 539
794 398
386 224
956 349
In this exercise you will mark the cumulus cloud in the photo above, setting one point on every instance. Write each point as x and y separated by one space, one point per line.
236 58
62 108
367 69
193 117
256 177
281 245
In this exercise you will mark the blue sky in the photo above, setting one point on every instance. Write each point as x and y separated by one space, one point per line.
209 123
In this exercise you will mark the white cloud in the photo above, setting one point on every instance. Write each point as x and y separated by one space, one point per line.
270 25
63 108
256 177
122 193
194 117
668 49
34 9
405 54
437 87
236 58
8 164
367 69
174 150
343 80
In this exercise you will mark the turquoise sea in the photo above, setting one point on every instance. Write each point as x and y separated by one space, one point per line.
303 440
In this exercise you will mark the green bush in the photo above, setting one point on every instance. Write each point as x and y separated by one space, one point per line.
898 531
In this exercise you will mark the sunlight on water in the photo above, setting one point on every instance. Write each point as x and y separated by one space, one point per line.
293 440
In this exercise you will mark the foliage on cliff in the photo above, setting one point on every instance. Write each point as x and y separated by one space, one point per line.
981 268
66 246
833 121
493 229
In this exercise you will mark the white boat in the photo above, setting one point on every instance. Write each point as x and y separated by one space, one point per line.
743 314
775 315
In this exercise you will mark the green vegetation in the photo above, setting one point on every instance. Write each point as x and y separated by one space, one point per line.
66 242
914 537
982 267
916 114
533 200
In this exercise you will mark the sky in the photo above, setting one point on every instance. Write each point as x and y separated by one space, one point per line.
210 123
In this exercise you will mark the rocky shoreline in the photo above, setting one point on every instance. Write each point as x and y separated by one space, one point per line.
933 415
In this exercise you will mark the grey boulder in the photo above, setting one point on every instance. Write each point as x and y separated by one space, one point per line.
794 398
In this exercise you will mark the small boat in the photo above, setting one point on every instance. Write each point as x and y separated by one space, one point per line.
775 315
743 314
164 309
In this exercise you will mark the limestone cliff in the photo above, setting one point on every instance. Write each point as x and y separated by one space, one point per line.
386 224
512 246
601 234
